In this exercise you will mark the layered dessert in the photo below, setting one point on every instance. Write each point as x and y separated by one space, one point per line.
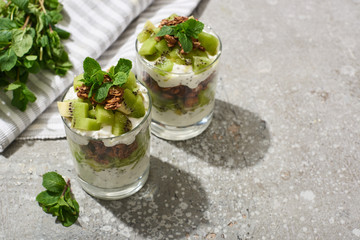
178 62
106 117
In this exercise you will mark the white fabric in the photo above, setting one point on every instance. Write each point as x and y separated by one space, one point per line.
97 30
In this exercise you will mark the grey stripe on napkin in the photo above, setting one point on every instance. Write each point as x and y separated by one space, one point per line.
49 124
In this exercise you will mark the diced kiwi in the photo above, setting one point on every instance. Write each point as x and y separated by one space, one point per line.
153 57
77 81
124 109
205 97
209 42
146 32
83 123
80 109
162 47
175 56
131 82
104 116
148 47
92 113
65 108
121 124
172 16
138 108
143 36
199 63
164 64
134 103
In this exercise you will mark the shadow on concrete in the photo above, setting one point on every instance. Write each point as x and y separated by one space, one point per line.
236 138
171 204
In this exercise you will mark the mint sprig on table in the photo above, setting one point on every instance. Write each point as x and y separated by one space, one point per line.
184 32
29 42
58 199
94 77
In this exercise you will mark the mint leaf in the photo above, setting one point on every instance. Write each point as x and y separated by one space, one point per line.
22 42
166 30
13 86
21 96
91 66
193 28
48 198
22 4
6 23
53 182
120 78
28 94
123 65
7 60
186 42
102 92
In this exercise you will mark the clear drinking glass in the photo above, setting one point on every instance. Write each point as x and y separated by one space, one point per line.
112 167
183 102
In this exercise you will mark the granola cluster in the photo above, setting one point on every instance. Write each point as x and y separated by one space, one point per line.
97 150
112 102
183 94
172 40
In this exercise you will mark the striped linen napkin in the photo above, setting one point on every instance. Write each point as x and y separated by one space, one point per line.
97 30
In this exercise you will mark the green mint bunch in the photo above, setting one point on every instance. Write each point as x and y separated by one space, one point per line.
29 42
58 199
94 77
184 32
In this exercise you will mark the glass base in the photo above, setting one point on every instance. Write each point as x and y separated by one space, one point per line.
115 193
180 133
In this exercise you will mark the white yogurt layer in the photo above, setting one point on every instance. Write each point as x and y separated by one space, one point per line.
172 119
109 139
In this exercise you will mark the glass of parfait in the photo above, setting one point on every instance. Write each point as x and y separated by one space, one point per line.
110 147
182 84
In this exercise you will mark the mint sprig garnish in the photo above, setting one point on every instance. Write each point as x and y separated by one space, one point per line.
94 77
58 199
184 32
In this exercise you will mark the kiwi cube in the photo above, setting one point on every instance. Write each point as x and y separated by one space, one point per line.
175 56
138 108
131 82
143 36
80 109
92 113
65 108
165 64
199 63
121 124
153 57
129 98
83 123
209 42
162 47
104 116
148 47
77 81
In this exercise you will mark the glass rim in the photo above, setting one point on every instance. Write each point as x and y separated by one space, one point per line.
145 118
217 56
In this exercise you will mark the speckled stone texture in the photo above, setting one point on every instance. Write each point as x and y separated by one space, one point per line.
279 161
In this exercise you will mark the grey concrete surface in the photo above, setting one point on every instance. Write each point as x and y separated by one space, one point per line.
279 161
